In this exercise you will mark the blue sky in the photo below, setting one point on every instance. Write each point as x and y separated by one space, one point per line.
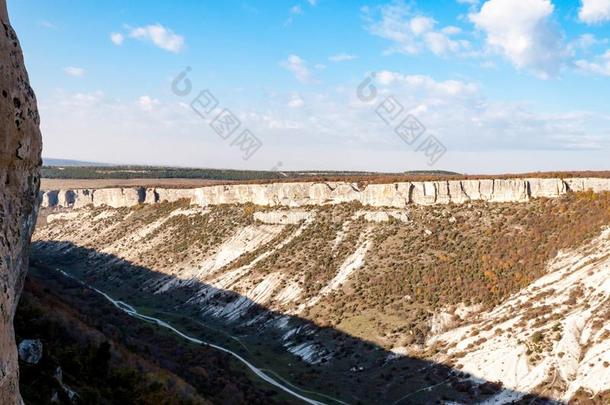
503 85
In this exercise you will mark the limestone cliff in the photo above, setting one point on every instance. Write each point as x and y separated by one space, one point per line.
299 194
20 147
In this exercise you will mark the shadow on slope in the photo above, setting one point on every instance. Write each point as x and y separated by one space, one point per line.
324 363
94 354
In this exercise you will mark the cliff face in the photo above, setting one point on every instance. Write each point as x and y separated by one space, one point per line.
20 147
395 195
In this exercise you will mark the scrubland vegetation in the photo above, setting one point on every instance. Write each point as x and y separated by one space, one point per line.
163 172
277 175
107 358
448 255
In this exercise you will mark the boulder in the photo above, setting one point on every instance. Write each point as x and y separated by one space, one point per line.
30 351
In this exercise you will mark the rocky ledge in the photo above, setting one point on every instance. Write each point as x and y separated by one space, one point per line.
395 195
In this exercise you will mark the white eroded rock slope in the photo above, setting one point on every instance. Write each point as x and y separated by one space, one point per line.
215 274
555 331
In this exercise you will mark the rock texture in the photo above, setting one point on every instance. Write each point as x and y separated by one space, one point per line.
20 147
395 195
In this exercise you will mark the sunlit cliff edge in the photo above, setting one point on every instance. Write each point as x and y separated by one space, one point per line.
396 195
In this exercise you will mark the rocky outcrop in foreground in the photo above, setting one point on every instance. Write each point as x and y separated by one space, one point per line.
20 146
396 195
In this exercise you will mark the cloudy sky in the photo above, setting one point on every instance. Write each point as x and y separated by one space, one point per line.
501 85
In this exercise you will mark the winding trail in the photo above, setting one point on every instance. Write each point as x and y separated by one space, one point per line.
131 311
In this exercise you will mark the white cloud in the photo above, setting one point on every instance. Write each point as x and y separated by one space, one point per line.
147 103
523 31
456 111
293 12
594 11
331 128
420 24
451 30
117 38
48 25
600 66
312 3
296 101
488 65
74 71
453 88
298 67
113 121
160 36
440 44
462 117
342 57
585 42
80 101
411 32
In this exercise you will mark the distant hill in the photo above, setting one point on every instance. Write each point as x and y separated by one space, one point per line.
71 169
69 162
